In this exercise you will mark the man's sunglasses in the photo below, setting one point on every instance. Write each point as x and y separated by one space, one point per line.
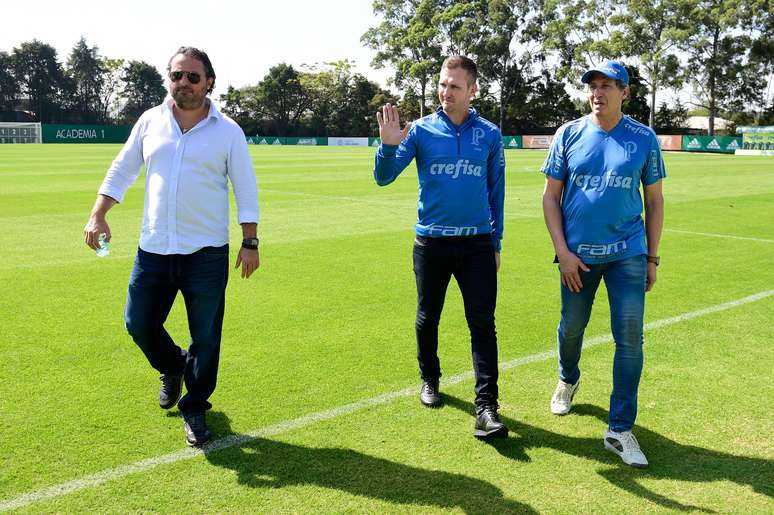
192 77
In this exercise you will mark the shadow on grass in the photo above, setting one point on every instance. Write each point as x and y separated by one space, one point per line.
264 463
669 460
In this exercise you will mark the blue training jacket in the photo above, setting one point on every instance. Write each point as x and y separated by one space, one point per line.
461 174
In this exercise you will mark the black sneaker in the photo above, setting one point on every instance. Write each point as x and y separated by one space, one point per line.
429 394
170 391
488 424
196 431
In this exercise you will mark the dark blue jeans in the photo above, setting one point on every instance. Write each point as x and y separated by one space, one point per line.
472 263
625 282
153 286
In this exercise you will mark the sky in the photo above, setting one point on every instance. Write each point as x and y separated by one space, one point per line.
243 39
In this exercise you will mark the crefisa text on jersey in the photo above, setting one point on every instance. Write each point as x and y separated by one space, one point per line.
609 179
462 166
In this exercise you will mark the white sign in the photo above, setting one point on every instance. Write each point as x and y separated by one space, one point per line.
347 142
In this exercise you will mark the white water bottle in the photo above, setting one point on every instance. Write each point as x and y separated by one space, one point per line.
104 246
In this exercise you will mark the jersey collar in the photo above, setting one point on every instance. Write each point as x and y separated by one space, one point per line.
472 115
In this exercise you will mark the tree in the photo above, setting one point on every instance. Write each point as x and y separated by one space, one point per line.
761 23
40 78
636 105
283 98
548 104
651 31
722 75
243 106
580 33
364 97
671 119
408 40
459 25
86 69
113 70
505 30
342 103
326 88
143 88
8 86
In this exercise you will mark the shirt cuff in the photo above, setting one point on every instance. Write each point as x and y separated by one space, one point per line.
248 217
113 193
388 150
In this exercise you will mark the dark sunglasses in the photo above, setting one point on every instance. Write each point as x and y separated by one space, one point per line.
192 77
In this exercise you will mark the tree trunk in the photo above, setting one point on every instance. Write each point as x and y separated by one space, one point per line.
502 110
712 76
423 87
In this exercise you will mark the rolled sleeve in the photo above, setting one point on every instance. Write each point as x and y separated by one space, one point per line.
242 176
126 166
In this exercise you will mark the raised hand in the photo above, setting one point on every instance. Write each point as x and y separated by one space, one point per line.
389 125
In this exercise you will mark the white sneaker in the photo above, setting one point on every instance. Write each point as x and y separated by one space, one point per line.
561 402
625 445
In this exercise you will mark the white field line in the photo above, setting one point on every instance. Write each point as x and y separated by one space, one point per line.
104 476
714 235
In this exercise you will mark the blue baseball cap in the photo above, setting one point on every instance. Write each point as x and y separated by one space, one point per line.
611 69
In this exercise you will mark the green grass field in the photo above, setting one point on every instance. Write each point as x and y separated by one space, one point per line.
316 407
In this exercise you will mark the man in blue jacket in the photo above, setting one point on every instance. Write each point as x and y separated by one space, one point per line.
461 169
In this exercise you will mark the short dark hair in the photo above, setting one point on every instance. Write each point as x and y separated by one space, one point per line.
460 61
199 55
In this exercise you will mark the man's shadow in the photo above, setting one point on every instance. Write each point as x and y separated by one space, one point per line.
264 463
669 459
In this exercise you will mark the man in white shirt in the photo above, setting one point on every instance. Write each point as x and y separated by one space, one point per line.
190 152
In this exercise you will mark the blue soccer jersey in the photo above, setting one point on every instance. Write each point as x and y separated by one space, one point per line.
461 174
602 172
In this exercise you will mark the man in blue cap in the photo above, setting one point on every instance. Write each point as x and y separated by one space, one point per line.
592 208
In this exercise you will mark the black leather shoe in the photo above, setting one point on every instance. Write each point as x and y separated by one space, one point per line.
488 424
171 388
429 394
196 431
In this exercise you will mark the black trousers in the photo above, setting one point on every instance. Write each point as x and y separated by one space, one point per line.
471 261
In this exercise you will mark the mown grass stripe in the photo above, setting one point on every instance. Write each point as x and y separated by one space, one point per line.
715 235
104 476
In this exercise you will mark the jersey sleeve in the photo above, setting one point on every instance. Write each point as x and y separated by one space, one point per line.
391 160
496 185
654 169
555 165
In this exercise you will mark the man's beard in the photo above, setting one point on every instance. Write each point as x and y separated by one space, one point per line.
188 102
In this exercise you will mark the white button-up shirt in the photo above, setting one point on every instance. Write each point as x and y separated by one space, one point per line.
186 179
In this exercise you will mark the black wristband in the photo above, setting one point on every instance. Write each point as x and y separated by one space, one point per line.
250 243
654 259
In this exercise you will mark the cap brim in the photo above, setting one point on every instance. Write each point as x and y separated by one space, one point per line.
587 76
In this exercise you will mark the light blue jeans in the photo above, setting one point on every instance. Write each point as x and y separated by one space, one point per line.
625 282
